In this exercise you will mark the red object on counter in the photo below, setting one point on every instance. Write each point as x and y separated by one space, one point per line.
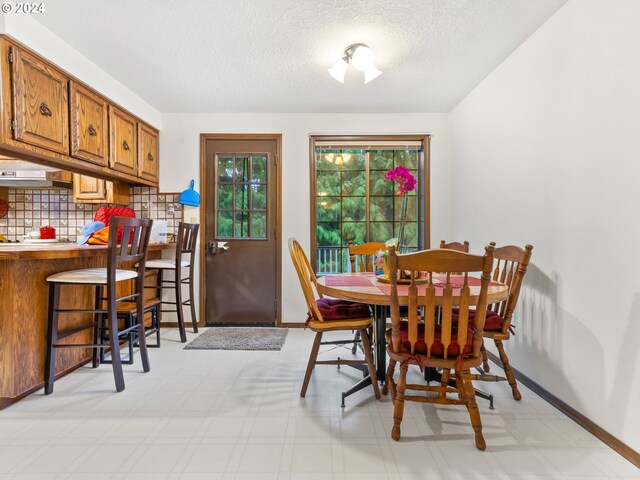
47 233
104 215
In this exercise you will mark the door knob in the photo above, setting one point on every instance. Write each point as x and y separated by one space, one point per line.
214 247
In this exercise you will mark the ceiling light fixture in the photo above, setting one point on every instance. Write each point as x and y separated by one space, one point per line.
361 57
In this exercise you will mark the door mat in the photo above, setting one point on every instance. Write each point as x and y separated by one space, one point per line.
239 338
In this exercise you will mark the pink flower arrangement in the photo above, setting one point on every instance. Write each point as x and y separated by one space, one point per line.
403 177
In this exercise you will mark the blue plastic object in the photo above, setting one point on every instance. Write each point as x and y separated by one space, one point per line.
190 196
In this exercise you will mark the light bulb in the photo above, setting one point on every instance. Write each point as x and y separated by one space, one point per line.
362 58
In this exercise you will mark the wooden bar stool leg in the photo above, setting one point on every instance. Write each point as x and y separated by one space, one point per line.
192 304
95 357
142 338
52 337
114 343
178 290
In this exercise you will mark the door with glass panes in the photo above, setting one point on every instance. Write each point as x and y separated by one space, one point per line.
241 214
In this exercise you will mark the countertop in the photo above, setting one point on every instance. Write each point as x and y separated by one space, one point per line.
23 251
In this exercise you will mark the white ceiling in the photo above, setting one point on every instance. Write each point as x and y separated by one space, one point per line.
272 55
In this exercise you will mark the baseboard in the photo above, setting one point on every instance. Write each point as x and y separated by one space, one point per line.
600 433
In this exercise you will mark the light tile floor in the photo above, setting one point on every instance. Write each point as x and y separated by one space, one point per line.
238 415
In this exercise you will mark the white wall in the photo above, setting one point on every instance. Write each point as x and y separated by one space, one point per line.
545 151
180 154
34 35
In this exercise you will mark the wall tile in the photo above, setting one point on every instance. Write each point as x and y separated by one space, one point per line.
30 209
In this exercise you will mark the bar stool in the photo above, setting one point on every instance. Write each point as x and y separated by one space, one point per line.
185 246
133 248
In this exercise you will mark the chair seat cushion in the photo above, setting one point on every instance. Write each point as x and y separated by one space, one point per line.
336 309
92 276
437 349
492 322
165 264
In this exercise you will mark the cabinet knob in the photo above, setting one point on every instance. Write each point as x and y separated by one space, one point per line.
125 145
45 110
150 157
92 131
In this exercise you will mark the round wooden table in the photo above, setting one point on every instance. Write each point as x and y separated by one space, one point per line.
367 288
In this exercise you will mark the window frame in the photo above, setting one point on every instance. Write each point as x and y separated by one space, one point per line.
361 141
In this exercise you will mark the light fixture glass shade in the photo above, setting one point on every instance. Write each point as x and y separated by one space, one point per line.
371 73
362 58
329 157
338 70
346 157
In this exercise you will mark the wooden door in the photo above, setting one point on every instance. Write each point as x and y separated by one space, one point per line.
242 210
41 108
147 152
122 141
89 125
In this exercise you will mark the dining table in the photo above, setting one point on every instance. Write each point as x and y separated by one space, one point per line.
375 290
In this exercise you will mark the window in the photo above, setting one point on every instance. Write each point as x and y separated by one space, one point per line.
351 201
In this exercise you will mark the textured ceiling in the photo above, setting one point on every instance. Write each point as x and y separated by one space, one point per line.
272 55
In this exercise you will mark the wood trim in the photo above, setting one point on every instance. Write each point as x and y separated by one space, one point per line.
204 201
597 431
424 139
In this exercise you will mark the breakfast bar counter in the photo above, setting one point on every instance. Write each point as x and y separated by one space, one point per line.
24 269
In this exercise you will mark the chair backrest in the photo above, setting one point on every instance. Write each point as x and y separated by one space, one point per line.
186 242
510 267
438 266
457 246
307 278
133 248
362 256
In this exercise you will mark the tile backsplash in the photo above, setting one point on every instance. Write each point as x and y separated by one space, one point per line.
31 209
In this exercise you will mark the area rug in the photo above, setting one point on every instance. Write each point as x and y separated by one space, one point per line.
239 338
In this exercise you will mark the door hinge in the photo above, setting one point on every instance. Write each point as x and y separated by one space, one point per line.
275 306
13 124
275 159
10 56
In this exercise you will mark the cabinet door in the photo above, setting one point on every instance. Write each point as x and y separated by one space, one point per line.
122 145
41 109
147 152
89 127
88 189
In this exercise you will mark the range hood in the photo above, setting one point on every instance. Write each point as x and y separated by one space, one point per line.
19 174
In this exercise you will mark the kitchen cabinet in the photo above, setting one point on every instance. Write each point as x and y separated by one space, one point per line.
122 141
51 118
95 190
147 152
41 103
89 125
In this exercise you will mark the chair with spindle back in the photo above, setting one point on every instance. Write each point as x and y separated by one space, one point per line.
450 345
510 267
133 248
184 258
327 314
361 258
457 246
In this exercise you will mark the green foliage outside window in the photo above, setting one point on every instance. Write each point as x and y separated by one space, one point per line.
341 203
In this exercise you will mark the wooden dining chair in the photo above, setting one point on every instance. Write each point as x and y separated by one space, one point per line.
457 246
327 314
361 257
510 267
449 345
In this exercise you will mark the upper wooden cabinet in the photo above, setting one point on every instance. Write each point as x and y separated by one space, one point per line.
41 106
94 190
148 150
122 135
89 125
49 117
